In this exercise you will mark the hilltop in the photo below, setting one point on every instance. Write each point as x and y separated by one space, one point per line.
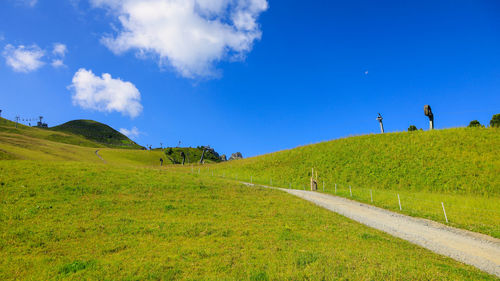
97 132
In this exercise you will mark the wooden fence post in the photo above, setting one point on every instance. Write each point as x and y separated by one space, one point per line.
444 211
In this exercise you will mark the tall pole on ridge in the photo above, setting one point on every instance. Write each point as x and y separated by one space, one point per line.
379 119
428 113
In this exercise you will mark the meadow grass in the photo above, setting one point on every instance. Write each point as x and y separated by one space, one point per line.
459 167
148 158
79 220
15 146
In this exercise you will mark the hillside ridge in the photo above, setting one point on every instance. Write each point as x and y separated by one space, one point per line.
97 132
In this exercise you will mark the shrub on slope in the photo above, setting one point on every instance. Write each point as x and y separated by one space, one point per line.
193 155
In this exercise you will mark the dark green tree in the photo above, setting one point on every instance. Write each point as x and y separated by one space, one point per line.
412 128
474 123
169 151
495 121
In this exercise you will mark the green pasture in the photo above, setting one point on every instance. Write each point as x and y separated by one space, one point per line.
66 220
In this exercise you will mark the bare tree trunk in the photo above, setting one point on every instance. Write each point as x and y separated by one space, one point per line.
202 155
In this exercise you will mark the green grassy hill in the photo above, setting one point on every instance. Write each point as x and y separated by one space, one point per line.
97 132
461 160
67 215
9 134
460 167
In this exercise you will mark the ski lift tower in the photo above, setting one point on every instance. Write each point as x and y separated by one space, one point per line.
379 119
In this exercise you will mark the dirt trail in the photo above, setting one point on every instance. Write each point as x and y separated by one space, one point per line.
97 153
472 248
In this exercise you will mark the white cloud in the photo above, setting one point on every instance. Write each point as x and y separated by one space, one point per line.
189 35
23 59
105 93
57 63
59 50
132 133
28 59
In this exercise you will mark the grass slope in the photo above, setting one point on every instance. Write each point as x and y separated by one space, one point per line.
84 221
134 158
459 167
97 132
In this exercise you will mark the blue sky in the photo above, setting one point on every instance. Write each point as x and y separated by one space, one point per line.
254 76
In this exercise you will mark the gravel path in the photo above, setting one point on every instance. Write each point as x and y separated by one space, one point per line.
472 248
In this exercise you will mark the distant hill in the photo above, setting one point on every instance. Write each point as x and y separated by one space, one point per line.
42 144
8 132
97 132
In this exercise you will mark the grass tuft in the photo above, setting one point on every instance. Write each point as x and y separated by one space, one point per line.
76 266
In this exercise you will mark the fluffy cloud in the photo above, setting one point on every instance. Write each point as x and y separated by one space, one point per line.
22 58
105 94
30 58
189 35
132 133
